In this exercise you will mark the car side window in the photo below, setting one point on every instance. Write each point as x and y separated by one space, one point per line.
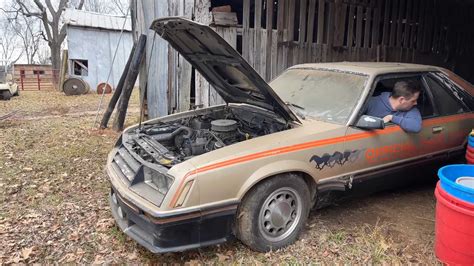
424 103
446 103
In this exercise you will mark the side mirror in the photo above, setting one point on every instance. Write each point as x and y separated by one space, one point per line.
370 122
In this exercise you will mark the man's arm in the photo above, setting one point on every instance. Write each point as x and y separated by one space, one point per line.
411 122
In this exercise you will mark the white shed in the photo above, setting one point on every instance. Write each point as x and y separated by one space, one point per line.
92 39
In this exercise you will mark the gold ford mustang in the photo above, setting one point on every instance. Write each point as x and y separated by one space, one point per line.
254 167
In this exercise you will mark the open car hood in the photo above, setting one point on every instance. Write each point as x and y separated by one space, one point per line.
223 67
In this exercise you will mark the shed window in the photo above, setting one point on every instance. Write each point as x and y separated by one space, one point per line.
79 67
40 72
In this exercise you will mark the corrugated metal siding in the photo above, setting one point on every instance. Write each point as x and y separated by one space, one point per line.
82 18
98 47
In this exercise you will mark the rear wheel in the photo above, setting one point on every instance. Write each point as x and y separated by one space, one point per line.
6 95
273 214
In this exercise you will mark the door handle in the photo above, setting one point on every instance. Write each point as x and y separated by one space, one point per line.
437 130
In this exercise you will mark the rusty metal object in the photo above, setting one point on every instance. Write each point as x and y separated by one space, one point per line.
75 86
104 86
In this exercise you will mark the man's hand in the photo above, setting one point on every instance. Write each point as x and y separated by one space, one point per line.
387 118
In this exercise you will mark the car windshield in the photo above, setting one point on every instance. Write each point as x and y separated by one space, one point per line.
321 94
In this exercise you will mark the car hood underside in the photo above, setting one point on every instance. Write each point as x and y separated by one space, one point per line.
223 67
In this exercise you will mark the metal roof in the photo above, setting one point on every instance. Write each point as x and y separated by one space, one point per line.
80 18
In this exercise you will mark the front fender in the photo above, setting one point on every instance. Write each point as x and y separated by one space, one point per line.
274 168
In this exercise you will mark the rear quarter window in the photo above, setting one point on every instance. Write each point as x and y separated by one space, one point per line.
447 104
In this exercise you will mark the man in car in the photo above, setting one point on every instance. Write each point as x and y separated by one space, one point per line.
398 106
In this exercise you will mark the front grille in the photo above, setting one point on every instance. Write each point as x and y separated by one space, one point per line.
125 164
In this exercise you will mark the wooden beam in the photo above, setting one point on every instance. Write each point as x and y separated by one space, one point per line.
340 23
320 33
421 24
310 29
393 26
269 27
386 23
360 18
245 28
400 25
376 24
129 81
368 26
257 36
350 30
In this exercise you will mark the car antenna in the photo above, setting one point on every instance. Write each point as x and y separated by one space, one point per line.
142 93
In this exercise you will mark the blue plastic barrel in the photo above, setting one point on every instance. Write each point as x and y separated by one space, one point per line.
448 175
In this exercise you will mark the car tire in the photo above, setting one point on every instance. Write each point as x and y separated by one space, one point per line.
6 95
17 93
273 214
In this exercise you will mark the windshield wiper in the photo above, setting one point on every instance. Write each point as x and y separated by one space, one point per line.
300 114
295 105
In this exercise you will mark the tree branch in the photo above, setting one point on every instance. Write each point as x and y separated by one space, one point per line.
81 4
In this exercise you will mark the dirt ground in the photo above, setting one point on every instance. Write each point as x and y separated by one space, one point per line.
54 208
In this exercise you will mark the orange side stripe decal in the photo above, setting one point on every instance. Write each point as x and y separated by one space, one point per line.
308 145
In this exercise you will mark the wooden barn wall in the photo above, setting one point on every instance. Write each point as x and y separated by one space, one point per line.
413 31
276 34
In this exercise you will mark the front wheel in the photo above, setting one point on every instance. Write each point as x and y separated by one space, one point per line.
273 214
6 95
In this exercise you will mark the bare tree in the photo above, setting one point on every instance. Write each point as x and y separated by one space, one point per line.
9 42
30 34
50 17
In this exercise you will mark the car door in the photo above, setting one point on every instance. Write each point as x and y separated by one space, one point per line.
391 148
453 114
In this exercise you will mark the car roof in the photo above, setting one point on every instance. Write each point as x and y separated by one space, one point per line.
369 68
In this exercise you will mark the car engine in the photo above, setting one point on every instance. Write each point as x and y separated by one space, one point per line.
169 143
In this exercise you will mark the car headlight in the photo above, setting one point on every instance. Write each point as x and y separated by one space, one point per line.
159 181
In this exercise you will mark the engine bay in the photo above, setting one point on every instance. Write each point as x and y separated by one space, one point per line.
169 143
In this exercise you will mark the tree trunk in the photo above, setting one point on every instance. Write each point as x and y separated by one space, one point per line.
55 62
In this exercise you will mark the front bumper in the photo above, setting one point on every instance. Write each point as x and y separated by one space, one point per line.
173 233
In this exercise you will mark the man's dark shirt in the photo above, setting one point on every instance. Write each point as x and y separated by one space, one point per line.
379 106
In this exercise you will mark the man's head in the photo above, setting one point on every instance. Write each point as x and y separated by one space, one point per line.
404 96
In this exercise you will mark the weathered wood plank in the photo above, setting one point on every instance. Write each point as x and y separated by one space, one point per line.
245 29
330 30
184 68
393 26
321 12
274 54
340 22
376 24
224 19
400 24
386 23
428 36
230 35
350 29
257 35
290 30
291 20
203 89
263 54
360 18
310 29
269 30
302 24
280 33
421 24
368 26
